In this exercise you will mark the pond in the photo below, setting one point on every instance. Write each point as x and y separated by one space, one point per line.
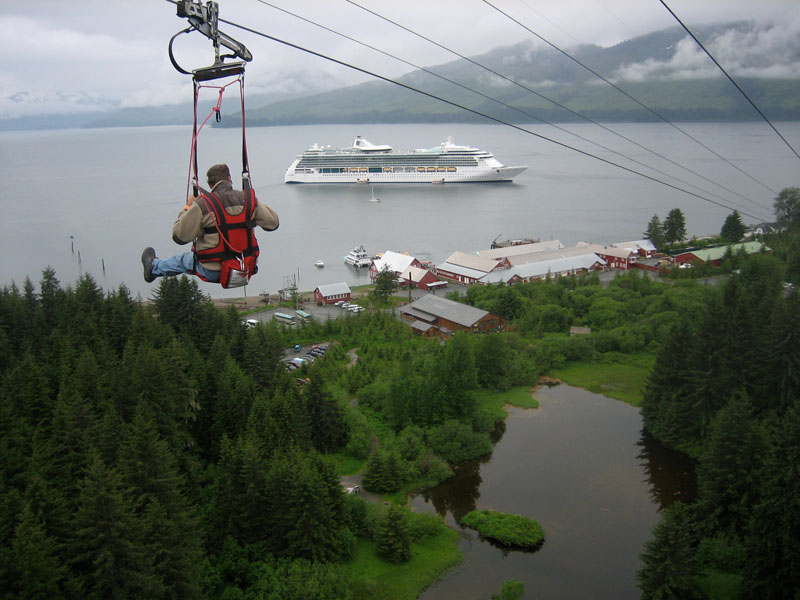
581 466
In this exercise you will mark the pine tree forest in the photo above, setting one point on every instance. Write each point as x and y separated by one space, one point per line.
161 449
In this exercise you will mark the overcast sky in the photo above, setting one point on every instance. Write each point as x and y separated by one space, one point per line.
66 55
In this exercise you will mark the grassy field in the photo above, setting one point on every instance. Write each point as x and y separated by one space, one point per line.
622 381
372 578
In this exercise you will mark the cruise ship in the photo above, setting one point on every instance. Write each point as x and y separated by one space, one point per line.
365 162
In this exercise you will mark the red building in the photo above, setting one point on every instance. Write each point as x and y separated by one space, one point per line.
332 293
396 262
420 278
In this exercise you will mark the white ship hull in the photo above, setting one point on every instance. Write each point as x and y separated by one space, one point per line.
465 176
367 163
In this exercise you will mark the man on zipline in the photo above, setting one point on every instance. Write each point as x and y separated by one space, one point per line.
220 223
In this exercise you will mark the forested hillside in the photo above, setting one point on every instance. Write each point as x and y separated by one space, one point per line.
529 83
162 450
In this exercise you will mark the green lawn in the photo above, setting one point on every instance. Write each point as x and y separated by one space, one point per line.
372 578
616 380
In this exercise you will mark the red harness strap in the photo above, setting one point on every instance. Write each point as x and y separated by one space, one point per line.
237 249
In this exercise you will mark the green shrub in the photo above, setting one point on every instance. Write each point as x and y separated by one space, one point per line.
455 441
433 468
577 347
508 530
424 525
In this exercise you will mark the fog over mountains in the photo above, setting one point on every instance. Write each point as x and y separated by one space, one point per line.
665 70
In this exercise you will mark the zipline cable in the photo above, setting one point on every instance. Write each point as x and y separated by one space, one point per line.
736 85
479 93
477 64
476 112
627 95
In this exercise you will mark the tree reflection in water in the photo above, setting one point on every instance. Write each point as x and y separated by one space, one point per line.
459 494
670 474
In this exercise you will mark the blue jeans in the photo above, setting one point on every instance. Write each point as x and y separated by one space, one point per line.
182 263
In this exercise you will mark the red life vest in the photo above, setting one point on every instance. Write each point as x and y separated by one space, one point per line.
237 250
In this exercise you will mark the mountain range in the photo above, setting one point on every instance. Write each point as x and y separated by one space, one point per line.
660 74
665 71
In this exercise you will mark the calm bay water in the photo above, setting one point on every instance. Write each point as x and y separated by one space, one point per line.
580 466
90 200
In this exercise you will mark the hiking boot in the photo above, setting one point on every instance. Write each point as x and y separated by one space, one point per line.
147 262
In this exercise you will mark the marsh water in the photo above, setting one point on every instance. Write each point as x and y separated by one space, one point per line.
581 466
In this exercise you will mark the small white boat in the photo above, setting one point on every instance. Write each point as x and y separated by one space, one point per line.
319 263
374 198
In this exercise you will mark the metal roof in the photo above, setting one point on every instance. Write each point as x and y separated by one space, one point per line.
415 274
333 289
472 261
459 270
520 249
419 325
396 261
645 245
464 315
542 268
708 254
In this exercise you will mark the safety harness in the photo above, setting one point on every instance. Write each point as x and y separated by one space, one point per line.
237 249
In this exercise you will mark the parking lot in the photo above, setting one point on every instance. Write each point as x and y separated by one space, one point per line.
300 355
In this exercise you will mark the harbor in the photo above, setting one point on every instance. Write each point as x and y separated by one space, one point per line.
560 196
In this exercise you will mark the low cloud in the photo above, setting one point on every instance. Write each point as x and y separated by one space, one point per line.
763 52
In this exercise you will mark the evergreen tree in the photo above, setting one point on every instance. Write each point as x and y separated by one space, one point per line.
733 229
508 303
38 571
457 374
385 285
108 554
782 368
787 208
675 226
280 479
773 554
655 232
666 406
179 303
727 470
495 353
263 354
392 537
374 478
317 529
328 428
668 566
251 505
173 538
